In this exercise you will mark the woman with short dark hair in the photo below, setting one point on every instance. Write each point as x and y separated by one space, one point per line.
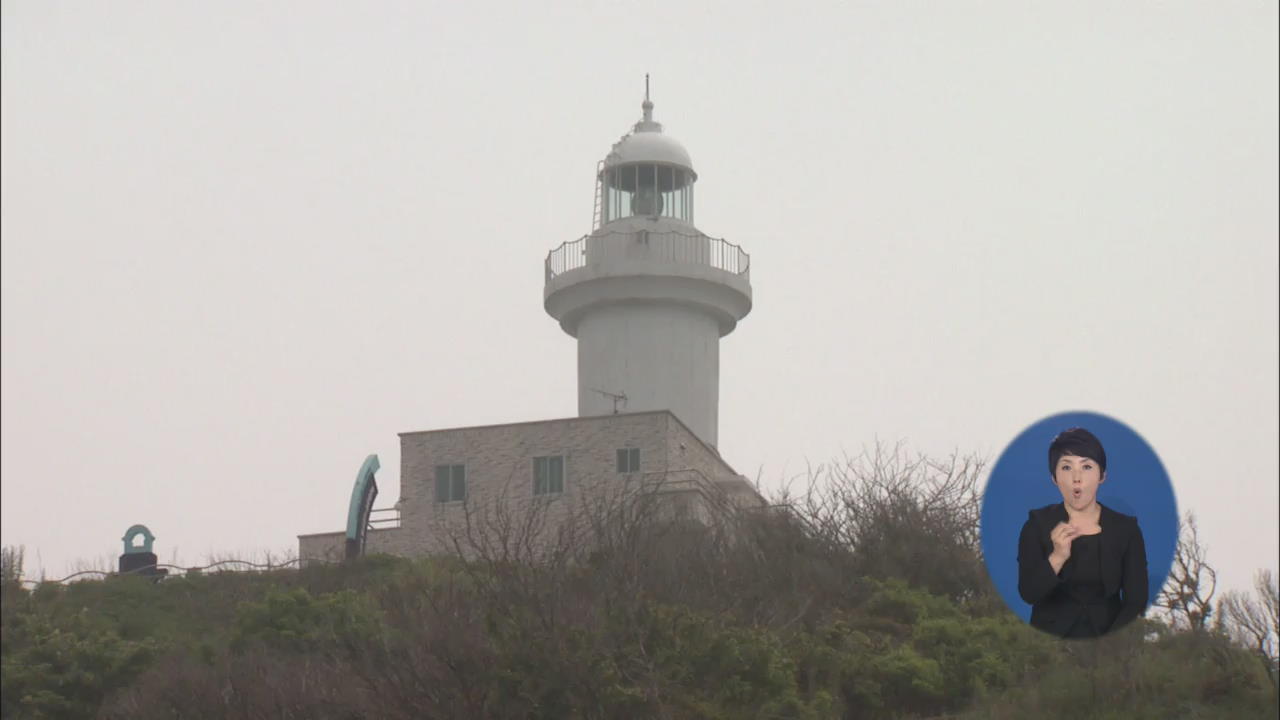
1081 566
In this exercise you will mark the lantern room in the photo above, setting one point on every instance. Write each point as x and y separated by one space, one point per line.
646 174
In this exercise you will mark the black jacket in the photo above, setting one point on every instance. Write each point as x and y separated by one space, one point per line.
1124 572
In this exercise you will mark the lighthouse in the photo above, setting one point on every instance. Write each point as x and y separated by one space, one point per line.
646 294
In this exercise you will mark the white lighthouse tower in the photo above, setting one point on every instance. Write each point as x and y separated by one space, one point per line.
647 295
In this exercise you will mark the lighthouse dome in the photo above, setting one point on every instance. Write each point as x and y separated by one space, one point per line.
649 146
646 174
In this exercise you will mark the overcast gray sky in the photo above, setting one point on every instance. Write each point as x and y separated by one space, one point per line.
245 244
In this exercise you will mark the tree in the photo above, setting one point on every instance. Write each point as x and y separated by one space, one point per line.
1188 595
65 666
11 558
1253 621
902 516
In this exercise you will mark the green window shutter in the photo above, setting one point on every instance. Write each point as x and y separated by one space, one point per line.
557 474
459 483
628 460
548 475
442 483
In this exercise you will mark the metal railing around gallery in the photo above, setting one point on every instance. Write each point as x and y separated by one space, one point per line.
667 248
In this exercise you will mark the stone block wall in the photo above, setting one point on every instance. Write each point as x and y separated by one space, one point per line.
331 546
500 501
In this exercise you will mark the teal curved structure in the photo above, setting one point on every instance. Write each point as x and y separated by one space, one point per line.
362 495
131 533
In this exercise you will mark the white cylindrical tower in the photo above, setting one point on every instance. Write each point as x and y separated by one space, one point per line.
646 294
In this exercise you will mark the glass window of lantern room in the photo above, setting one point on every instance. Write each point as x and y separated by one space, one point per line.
683 194
621 183
611 195
677 194
644 187
653 191
626 188
666 187
633 176
666 184
644 201
624 199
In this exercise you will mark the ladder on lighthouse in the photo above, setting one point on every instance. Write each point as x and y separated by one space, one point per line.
595 212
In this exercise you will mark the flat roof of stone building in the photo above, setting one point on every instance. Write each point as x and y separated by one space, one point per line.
589 418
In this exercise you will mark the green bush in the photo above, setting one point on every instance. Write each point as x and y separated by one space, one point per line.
294 621
64 667
706 633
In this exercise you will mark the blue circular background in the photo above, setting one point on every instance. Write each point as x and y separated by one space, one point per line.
1136 484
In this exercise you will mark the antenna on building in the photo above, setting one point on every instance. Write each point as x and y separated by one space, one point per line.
615 397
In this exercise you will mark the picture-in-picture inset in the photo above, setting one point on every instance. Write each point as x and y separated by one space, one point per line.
1079 525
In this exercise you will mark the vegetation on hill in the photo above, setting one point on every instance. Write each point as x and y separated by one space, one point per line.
865 599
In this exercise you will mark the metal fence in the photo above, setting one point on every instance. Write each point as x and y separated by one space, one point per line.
668 248
387 518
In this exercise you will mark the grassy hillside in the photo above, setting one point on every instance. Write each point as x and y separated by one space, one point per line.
885 613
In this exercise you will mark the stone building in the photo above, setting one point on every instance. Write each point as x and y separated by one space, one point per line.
647 296
455 483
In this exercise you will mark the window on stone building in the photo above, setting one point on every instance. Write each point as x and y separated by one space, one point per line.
548 475
451 483
628 460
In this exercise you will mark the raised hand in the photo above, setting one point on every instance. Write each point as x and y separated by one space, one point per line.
1062 535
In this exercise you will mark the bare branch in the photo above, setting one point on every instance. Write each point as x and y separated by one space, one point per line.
1253 620
1187 597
